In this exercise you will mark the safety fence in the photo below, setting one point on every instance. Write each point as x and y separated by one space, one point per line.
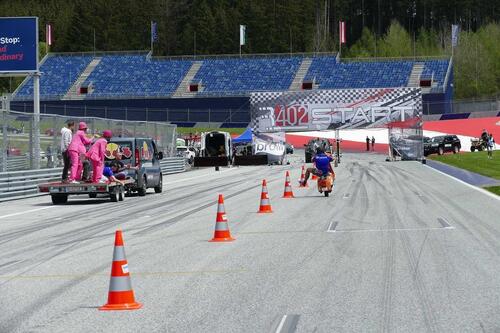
18 184
18 133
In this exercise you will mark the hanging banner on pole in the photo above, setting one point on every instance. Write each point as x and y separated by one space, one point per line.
243 30
48 34
454 35
154 32
18 44
342 37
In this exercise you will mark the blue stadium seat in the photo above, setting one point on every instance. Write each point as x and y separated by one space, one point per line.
436 69
135 75
239 76
332 75
118 76
59 72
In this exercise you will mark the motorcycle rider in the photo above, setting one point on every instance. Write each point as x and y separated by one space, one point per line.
322 165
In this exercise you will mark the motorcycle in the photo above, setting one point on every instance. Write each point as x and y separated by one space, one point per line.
325 184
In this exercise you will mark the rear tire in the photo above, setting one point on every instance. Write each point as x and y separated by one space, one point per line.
456 150
144 187
59 199
113 196
121 195
159 188
472 149
326 193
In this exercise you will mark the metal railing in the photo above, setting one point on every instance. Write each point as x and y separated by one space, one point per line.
18 184
18 131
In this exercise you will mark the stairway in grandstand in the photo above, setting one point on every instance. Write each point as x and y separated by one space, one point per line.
73 91
301 73
416 72
183 88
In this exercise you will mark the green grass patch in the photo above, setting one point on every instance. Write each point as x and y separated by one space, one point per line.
477 162
187 130
493 189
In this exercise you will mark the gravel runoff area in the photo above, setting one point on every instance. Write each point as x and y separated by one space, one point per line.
397 247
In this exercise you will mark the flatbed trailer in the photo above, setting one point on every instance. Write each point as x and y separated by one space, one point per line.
60 192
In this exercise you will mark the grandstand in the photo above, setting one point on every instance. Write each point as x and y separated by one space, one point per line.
141 81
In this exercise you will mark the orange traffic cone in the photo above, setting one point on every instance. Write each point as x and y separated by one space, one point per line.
265 204
221 233
302 178
288 187
121 295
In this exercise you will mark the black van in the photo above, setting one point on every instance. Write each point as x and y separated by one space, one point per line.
141 152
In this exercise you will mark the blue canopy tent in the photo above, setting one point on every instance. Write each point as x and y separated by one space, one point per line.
245 137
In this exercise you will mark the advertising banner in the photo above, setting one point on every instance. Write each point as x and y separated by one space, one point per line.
269 143
331 109
18 44
317 110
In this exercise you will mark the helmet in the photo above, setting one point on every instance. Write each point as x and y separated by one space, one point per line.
82 126
107 134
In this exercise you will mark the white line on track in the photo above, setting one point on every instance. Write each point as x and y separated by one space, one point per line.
396 229
494 196
25 212
281 324
332 226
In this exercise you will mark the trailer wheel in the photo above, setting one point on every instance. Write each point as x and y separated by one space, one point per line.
113 195
59 199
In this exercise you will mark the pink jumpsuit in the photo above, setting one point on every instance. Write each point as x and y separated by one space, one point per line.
75 148
96 155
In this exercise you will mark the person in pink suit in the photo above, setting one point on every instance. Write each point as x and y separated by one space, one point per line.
75 149
96 155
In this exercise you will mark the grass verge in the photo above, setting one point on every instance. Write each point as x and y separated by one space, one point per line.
493 189
477 162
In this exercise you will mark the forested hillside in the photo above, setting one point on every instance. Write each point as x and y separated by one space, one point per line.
375 28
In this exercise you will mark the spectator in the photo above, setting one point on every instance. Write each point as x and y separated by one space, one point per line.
489 146
66 136
373 143
77 149
367 143
96 155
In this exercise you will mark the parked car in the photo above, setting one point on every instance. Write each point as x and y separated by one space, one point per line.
187 152
442 144
143 154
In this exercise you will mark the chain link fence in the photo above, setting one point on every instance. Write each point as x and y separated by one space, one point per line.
17 133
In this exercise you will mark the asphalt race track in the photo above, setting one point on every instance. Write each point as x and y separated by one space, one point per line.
398 247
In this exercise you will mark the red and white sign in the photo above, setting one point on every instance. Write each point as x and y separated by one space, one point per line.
48 34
